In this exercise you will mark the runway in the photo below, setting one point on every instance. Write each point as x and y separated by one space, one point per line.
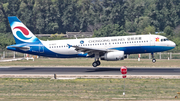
88 70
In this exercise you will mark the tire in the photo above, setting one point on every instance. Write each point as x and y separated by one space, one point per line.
94 64
98 63
153 60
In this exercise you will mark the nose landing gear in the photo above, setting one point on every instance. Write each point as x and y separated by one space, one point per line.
153 59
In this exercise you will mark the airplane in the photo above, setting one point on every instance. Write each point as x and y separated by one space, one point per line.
104 48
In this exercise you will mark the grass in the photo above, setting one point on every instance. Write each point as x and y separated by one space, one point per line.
88 62
41 89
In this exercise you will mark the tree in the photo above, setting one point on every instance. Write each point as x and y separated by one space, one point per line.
6 40
4 26
25 14
164 13
96 15
149 29
110 30
177 41
169 32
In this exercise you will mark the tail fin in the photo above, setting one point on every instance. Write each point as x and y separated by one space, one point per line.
21 33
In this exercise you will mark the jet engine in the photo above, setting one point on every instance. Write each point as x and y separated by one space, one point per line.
113 56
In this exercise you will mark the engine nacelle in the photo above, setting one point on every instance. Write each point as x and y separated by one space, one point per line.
113 56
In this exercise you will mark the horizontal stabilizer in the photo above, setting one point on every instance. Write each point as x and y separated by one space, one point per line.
20 48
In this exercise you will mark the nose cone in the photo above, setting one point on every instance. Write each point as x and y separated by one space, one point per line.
172 44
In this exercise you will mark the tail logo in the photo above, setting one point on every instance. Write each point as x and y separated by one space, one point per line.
23 33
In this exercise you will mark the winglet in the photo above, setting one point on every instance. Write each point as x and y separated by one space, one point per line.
69 46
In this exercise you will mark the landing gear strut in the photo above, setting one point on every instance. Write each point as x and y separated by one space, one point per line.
96 60
153 59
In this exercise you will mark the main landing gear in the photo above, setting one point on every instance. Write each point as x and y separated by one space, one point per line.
96 63
96 60
153 59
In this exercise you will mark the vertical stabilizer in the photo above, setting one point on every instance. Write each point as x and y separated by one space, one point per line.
21 33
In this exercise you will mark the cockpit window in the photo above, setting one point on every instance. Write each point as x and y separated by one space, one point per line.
164 40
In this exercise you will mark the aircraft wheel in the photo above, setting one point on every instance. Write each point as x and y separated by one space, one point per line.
94 64
98 62
153 60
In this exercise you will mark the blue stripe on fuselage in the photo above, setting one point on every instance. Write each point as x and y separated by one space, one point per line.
143 49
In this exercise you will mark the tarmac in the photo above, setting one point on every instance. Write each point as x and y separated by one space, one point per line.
85 72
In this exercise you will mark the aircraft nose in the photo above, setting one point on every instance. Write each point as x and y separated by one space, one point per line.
173 44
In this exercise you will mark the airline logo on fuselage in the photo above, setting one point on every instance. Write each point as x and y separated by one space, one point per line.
157 39
81 42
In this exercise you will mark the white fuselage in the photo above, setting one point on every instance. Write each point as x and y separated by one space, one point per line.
118 43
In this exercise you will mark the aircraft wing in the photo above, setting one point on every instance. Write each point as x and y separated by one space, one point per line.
90 51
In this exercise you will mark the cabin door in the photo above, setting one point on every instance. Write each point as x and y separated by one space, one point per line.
41 49
152 41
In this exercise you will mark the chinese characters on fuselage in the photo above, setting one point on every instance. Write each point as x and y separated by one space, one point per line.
113 40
